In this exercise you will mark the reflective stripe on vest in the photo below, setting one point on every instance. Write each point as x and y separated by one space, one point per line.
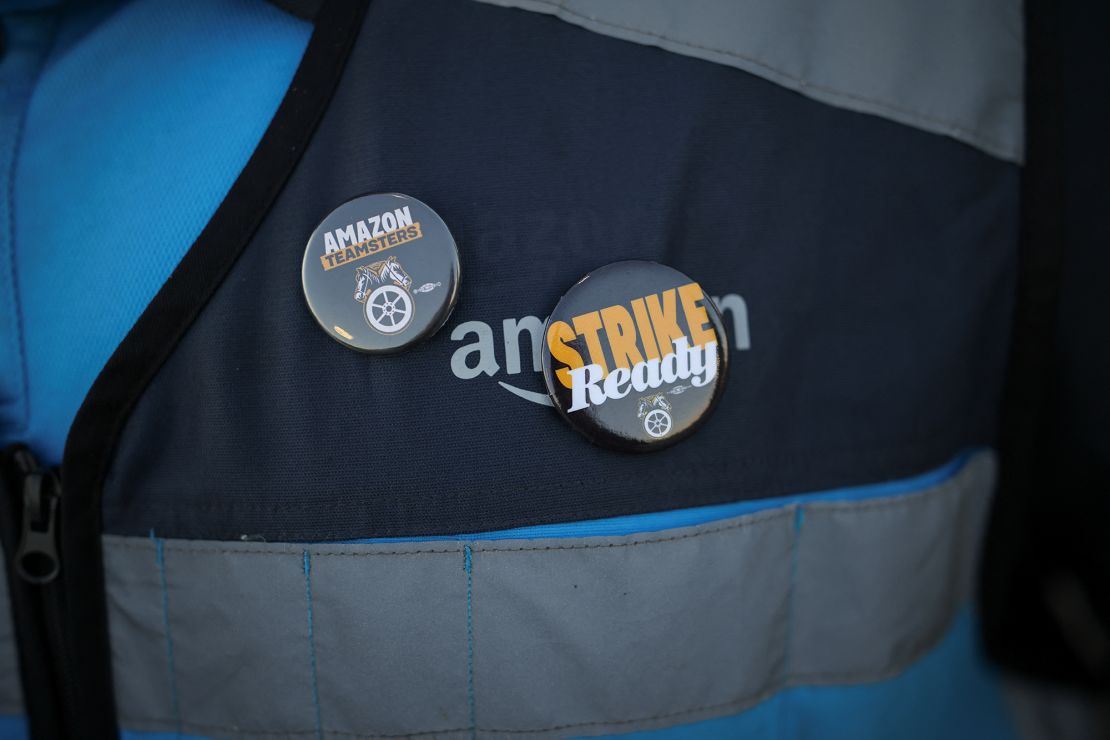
606 634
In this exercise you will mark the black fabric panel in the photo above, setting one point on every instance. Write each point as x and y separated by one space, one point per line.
92 439
877 264
1046 607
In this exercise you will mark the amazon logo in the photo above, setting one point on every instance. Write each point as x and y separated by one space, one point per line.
513 347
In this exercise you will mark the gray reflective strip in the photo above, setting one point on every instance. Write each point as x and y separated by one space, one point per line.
551 637
11 697
951 67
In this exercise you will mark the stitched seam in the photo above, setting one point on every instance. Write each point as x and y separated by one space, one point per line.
480 548
955 486
151 721
962 480
160 560
312 643
468 566
804 84
795 545
17 302
791 599
20 343
858 450
738 703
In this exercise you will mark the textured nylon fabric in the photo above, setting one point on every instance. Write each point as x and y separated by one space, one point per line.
949 693
133 135
673 518
874 262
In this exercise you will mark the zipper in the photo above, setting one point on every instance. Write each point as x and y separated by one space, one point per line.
36 560
36 565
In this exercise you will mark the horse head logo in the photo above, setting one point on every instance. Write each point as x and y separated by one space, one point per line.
377 273
392 269
647 403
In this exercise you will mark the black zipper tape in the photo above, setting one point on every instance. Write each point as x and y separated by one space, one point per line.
86 694
29 498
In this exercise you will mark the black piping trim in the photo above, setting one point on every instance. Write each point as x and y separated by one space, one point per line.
94 435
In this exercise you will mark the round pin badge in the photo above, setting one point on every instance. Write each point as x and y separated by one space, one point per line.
381 272
635 356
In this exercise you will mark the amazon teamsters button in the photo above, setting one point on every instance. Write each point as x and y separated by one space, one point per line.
635 356
381 272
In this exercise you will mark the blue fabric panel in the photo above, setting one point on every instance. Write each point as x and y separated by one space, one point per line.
13 728
177 92
950 693
26 37
660 520
135 735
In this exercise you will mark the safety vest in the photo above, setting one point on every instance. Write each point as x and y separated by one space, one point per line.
255 531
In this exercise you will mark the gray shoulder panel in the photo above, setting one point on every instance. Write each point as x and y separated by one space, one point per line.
949 67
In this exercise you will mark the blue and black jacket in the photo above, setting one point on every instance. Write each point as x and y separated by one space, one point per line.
220 523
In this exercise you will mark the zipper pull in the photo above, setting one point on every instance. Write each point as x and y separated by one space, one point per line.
36 559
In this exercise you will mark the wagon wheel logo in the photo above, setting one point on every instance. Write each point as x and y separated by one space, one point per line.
654 411
657 422
389 307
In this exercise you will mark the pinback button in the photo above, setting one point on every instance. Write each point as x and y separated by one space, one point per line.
381 272
635 356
